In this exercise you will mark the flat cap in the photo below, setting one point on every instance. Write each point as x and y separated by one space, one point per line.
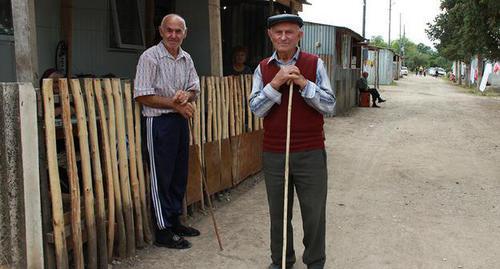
284 18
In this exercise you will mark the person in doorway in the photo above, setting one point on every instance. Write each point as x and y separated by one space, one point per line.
55 75
312 98
362 85
165 84
238 65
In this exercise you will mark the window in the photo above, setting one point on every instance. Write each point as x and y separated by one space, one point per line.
6 27
126 30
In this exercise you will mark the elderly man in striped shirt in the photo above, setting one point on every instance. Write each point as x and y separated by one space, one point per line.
165 84
312 97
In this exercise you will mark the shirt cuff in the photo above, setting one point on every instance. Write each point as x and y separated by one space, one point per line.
272 94
309 90
143 92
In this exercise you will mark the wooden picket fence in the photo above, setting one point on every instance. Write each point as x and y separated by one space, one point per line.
113 179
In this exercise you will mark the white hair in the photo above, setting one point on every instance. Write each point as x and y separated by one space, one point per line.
173 16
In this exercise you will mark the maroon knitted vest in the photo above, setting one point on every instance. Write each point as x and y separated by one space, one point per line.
306 127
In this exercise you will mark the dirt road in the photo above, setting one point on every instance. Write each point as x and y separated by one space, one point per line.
414 184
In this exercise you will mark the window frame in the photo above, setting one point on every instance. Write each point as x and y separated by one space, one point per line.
116 28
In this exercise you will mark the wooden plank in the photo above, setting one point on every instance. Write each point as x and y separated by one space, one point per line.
193 193
122 238
232 131
88 192
103 124
123 167
78 260
129 117
54 179
218 108
248 89
210 108
97 172
25 41
212 166
146 218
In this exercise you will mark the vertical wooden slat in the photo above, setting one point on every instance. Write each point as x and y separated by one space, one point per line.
97 172
76 232
88 192
232 131
129 117
103 124
219 108
148 235
210 108
55 187
225 131
123 167
247 105
214 109
122 238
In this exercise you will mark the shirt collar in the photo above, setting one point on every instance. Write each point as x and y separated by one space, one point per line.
274 57
164 52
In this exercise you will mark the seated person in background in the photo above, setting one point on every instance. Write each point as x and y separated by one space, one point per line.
54 75
238 66
362 85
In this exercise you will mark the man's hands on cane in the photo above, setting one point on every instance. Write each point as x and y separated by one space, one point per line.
287 74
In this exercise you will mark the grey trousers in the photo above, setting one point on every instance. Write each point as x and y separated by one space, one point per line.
308 174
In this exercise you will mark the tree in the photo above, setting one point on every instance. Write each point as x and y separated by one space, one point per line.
466 28
378 41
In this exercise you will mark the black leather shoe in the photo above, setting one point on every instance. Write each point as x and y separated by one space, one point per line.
380 100
169 239
185 231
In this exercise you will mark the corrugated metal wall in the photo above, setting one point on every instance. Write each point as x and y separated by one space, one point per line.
386 67
320 39
370 66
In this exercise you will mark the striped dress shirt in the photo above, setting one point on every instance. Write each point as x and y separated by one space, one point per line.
159 73
318 95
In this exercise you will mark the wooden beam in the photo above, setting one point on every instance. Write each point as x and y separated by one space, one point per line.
23 15
215 37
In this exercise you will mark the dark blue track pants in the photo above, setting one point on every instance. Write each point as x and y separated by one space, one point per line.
168 147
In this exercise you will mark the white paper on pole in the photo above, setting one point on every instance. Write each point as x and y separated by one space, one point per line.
487 72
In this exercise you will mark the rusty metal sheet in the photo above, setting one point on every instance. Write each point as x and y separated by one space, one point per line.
226 164
212 166
193 191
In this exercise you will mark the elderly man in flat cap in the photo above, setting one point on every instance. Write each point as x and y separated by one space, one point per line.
312 98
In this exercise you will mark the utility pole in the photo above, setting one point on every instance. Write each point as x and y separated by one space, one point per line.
390 11
364 17
400 34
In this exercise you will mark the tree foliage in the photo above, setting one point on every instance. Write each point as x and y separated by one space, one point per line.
466 28
378 41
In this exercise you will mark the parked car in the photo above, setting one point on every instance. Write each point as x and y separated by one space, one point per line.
436 71
441 71
404 71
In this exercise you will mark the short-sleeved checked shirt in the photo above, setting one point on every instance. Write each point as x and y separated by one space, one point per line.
159 73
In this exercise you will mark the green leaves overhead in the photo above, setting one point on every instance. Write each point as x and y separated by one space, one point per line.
466 28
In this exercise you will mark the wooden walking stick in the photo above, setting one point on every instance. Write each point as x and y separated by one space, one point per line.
204 182
287 157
